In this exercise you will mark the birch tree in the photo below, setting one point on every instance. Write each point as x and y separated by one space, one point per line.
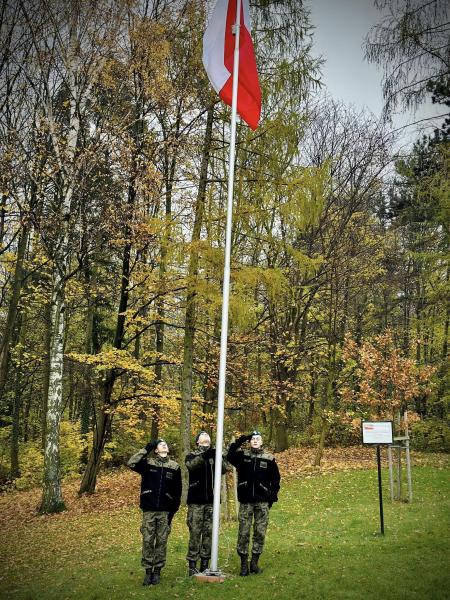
67 41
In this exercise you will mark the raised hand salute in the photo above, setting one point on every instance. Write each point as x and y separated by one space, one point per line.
258 486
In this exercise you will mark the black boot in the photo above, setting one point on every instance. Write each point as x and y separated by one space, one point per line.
244 565
254 564
192 565
156 575
148 577
203 564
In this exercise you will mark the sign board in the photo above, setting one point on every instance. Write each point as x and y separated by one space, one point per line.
377 432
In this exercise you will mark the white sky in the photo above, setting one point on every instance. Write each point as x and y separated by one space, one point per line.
341 26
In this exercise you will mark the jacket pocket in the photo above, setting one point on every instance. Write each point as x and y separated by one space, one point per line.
242 483
169 496
146 492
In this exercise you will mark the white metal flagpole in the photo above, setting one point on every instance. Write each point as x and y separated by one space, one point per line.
225 301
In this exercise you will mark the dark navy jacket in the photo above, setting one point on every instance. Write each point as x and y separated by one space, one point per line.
201 464
161 481
258 474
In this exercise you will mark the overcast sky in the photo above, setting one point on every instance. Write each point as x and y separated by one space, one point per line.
341 26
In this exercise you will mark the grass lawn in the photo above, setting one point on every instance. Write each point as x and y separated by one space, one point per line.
323 542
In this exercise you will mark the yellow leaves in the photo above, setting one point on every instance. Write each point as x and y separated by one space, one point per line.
273 280
151 48
307 266
304 195
115 359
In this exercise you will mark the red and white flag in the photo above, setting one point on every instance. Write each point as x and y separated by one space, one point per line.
218 52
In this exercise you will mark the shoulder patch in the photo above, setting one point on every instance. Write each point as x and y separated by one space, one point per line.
267 456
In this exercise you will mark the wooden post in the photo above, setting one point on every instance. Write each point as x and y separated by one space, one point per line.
391 474
408 457
408 470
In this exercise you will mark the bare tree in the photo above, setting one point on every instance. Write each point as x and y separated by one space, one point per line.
412 44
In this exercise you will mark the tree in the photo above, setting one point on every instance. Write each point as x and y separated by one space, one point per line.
66 44
411 44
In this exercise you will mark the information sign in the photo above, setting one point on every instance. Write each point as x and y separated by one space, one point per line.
377 432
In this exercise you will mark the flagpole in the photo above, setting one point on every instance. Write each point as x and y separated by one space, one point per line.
225 302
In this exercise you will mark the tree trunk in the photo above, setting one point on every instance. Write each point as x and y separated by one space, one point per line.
52 500
312 400
103 417
280 436
102 428
13 307
46 374
87 396
189 324
17 401
320 448
169 174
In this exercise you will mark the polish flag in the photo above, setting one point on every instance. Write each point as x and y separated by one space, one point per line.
218 54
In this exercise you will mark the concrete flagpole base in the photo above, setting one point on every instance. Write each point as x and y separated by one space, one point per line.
209 576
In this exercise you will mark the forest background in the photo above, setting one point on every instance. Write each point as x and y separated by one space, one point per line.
112 198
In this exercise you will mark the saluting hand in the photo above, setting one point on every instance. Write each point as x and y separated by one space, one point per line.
243 438
151 446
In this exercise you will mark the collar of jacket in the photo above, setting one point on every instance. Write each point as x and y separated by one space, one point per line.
162 459
257 450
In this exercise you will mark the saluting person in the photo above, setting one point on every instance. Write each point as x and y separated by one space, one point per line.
200 464
258 486
160 499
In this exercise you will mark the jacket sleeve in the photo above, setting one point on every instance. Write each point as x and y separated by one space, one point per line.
194 461
177 489
274 481
234 455
138 461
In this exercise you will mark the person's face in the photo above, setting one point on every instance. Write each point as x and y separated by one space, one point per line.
162 449
256 442
204 441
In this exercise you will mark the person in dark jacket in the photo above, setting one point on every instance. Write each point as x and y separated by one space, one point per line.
200 464
258 486
160 499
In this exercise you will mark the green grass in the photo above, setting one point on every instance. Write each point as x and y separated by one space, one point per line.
323 542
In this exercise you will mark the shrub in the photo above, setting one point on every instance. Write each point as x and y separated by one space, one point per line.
432 435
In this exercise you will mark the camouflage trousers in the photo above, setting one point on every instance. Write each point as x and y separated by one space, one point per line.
259 513
155 531
199 521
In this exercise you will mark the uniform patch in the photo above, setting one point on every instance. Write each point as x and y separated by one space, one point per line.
169 475
263 464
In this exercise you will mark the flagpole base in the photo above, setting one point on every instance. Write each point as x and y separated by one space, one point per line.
209 576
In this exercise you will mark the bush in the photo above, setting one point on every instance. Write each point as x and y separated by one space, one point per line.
31 457
432 435
31 462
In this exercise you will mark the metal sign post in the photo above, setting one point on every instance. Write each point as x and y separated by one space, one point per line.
376 433
380 490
